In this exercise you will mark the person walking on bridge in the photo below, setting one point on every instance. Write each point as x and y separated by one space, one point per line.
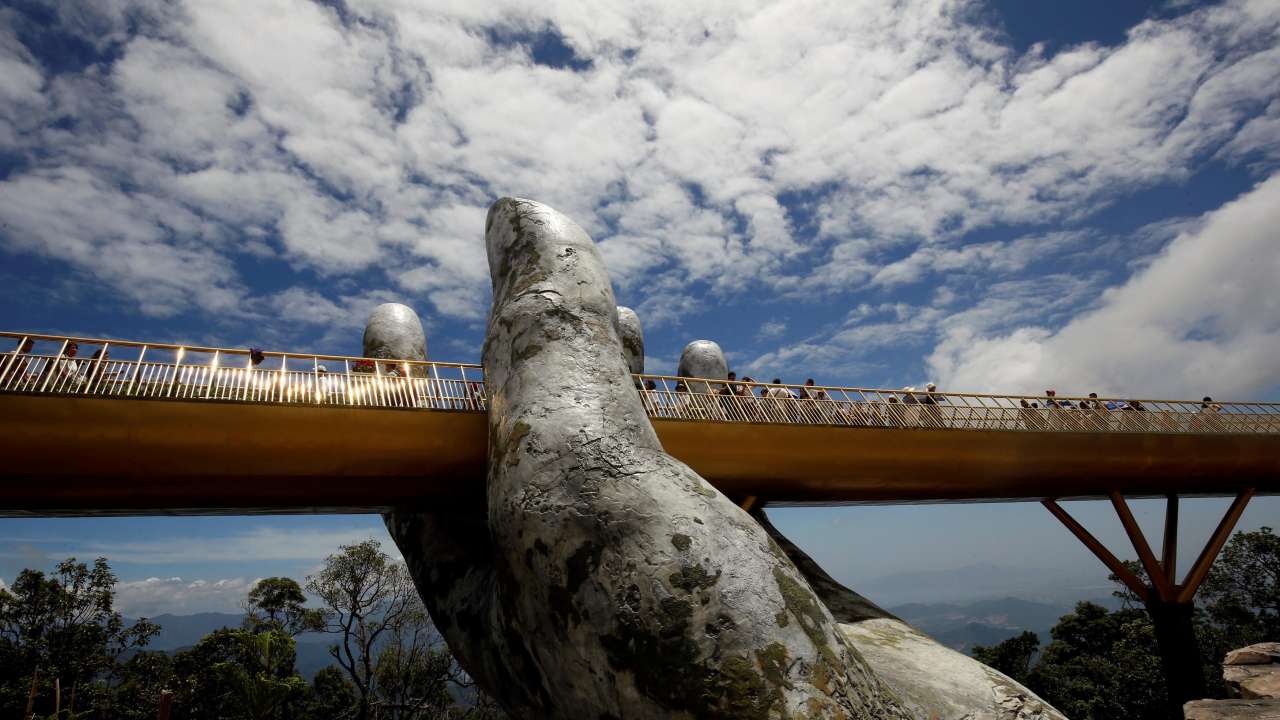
21 362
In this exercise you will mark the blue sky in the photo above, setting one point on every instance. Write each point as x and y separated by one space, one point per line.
990 195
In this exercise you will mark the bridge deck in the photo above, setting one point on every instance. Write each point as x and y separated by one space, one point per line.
169 435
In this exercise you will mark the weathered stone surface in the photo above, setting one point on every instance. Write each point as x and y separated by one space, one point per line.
395 331
935 681
1253 681
1256 654
932 680
1232 710
703 359
612 581
632 338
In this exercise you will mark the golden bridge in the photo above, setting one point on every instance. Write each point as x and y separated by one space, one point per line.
93 426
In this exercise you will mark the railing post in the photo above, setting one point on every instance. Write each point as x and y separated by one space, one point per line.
438 390
214 371
347 391
177 364
282 377
92 381
12 362
48 375
137 368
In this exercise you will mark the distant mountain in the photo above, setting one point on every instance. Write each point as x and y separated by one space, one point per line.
182 632
985 622
981 582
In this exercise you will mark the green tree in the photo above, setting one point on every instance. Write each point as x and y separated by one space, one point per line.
141 680
278 603
332 696
1012 657
64 626
262 678
201 692
1241 595
367 595
1101 665
415 669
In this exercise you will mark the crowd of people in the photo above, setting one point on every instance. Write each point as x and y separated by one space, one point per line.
748 400
742 399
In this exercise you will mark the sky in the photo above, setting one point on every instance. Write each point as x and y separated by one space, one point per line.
986 194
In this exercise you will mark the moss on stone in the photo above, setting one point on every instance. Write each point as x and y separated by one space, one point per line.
802 604
692 578
518 432
681 541
668 666
703 489
525 353
773 663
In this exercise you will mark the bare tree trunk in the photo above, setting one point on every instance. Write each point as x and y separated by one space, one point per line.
31 696
609 580
932 680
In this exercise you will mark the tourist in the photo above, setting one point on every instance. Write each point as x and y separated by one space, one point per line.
1030 416
786 401
66 371
21 362
808 395
255 378
1051 402
910 413
649 397
324 383
682 404
725 399
930 400
734 387
747 400
1206 418
93 368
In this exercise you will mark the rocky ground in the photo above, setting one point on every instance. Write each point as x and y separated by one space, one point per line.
1253 678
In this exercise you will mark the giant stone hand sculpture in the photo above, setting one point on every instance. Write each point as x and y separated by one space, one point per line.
632 338
395 332
931 679
608 580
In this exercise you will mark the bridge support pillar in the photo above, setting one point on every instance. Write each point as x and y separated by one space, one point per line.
1170 606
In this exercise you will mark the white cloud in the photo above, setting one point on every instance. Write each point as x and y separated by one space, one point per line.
284 129
1201 318
155 596
264 544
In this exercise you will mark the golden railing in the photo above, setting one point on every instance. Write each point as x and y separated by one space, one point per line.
187 372
52 364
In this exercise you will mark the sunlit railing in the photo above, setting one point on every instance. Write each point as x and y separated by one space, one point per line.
49 364
737 401
115 368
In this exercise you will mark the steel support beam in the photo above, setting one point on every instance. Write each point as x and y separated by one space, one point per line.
1131 581
1198 571
1169 552
1160 583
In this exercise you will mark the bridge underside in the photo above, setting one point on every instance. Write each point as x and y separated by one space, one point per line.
104 456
